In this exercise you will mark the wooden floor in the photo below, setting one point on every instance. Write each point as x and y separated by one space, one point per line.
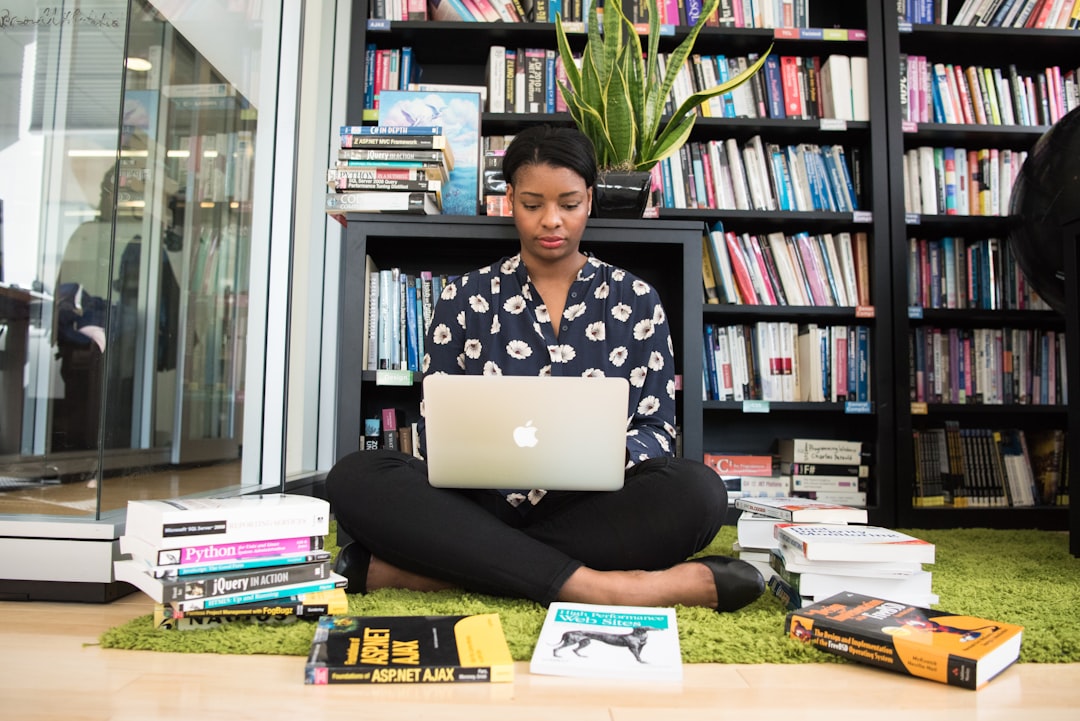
51 670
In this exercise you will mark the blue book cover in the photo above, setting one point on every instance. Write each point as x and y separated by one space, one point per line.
712 383
835 180
862 373
774 87
669 194
391 130
413 361
369 76
459 115
723 76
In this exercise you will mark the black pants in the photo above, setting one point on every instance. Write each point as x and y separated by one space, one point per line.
668 509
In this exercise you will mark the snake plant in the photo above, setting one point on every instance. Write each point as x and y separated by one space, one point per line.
617 95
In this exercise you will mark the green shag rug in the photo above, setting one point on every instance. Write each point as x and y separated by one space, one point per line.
1024 577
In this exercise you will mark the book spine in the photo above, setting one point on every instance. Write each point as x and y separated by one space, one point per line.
218 585
189 527
430 156
268 594
825 469
801 483
221 552
241 565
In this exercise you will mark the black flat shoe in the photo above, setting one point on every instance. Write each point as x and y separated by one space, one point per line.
737 582
352 563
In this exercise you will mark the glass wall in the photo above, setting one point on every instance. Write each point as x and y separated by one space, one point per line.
129 172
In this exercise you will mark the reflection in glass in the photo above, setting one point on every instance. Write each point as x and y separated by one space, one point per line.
126 151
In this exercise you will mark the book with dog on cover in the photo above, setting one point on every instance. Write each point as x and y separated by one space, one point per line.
409 649
593 641
957 650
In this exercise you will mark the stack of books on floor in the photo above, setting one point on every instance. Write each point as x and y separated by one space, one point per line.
390 169
210 561
810 550
759 517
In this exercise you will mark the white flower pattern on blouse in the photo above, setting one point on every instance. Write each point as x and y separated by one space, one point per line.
613 325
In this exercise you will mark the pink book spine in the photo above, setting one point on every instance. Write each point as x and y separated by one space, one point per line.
560 75
247 549
813 272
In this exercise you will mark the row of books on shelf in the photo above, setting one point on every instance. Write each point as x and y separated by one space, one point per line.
789 86
730 13
825 269
781 361
524 80
400 306
954 272
977 95
389 428
989 467
959 181
211 561
722 175
989 366
1046 14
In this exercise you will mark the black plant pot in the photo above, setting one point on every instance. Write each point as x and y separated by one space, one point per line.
621 194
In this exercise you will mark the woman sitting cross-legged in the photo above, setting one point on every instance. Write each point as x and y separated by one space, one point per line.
549 310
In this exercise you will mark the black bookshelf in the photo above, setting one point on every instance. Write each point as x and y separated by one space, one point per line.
1031 50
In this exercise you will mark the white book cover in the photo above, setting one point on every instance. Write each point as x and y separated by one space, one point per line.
793 562
831 542
199 521
615 642
802 510
756 531
860 88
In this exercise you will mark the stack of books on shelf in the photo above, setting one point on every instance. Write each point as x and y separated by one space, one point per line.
748 474
813 561
208 561
390 169
828 470
988 468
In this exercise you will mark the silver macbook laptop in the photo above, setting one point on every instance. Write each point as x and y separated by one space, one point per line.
503 432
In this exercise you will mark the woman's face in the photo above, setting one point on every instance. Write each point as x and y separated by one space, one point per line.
551 208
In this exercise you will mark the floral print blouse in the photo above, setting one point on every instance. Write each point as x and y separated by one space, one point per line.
489 322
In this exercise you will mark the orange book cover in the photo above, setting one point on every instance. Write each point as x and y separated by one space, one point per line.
954 649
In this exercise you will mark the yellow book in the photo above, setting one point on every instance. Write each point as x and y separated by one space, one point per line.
409 649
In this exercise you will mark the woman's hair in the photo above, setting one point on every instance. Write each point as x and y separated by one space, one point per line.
555 146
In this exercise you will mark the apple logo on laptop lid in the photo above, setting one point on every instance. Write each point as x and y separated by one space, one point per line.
525 436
